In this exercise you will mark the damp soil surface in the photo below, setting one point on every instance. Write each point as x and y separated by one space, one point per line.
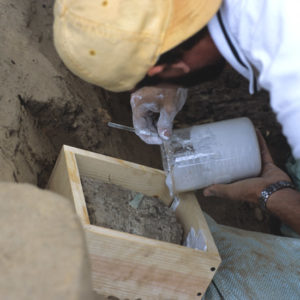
114 207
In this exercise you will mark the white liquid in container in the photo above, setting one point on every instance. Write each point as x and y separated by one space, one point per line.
219 152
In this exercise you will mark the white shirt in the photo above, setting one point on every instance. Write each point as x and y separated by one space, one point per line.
263 37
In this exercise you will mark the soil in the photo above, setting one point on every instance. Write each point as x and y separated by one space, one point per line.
43 106
114 207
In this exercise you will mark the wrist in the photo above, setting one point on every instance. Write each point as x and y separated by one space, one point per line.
277 199
272 189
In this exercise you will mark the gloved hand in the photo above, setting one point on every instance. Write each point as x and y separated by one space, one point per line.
147 101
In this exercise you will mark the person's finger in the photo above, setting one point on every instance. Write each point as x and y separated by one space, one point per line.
181 96
148 135
265 153
143 122
165 124
220 190
145 129
150 139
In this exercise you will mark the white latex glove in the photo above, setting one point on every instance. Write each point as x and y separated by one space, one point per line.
149 100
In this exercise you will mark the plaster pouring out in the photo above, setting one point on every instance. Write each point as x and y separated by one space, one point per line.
219 152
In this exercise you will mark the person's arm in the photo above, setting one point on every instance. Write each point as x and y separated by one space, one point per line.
283 203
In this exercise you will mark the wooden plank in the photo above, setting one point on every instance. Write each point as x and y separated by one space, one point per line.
145 180
190 216
126 265
59 179
142 179
65 180
130 265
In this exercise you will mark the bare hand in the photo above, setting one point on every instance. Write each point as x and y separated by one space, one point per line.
249 189
149 100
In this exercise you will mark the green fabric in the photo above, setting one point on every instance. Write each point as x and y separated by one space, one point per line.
293 169
255 266
288 231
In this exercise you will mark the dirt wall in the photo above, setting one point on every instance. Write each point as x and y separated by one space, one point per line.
43 106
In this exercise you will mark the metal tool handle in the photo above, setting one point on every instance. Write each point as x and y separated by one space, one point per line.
122 127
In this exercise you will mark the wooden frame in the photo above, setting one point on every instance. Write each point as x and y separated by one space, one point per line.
129 266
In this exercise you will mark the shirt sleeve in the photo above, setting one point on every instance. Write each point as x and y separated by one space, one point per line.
269 35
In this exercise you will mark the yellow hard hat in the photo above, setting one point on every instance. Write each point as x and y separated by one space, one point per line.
113 43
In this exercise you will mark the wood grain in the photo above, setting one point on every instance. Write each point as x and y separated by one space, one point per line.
130 266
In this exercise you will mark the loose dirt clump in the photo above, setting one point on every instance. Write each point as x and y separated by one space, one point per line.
117 208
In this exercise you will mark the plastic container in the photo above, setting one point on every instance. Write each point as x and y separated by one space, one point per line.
219 152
